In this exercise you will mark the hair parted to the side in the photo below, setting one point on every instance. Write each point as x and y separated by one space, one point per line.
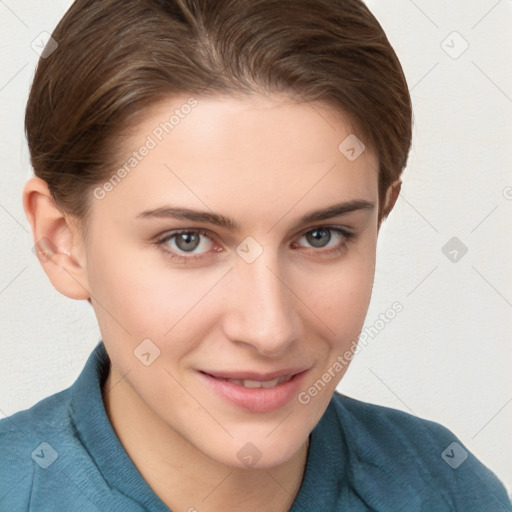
116 58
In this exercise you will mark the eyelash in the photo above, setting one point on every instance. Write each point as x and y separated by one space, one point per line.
160 242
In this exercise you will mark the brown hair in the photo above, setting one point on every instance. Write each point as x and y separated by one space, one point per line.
115 58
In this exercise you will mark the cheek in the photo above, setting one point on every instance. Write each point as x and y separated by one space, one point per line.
340 293
123 291
138 298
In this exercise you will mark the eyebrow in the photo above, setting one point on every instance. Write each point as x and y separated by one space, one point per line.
216 219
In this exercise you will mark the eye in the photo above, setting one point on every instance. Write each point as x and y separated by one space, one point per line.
186 242
320 238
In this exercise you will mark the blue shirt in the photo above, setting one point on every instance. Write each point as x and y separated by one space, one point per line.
63 455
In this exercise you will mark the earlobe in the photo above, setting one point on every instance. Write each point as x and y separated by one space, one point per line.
58 243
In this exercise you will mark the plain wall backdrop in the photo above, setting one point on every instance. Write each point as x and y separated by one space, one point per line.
445 252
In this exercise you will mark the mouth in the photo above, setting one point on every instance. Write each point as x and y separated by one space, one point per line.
253 392
254 384
261 384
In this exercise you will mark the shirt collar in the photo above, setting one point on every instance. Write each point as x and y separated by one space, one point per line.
345 469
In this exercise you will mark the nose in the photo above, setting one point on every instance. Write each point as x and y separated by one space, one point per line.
262 307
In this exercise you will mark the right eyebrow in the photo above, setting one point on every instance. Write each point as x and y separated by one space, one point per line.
165 212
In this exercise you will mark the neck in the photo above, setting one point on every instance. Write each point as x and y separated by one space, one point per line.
183 477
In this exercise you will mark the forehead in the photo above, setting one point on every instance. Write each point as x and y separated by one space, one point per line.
250 152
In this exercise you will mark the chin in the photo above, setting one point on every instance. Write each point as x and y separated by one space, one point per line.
259 452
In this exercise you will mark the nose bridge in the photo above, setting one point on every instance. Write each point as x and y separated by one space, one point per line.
263 307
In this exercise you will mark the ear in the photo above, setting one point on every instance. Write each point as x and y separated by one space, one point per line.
392 194
59 244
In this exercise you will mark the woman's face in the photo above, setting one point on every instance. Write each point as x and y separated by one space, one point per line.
256 288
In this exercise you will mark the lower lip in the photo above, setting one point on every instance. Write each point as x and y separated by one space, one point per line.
256 399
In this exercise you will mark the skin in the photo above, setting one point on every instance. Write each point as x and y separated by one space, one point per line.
263 161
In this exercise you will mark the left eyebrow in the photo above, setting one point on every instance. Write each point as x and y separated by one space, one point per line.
335 210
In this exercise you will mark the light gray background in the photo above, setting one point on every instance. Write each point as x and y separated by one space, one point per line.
447 356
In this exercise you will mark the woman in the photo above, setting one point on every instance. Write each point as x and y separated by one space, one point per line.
212 177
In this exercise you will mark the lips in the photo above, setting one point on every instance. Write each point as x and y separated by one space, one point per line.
256 376
255 392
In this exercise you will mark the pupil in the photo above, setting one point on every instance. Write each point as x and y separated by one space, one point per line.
319 237
184 240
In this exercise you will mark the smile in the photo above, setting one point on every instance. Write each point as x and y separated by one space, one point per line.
255 393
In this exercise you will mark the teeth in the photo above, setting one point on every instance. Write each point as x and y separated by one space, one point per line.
259 384
270 383
252 384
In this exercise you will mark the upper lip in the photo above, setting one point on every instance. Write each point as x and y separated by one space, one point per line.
257 376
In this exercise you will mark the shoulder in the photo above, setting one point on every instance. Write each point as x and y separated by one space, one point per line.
32 437
47 413
419 454
392 426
